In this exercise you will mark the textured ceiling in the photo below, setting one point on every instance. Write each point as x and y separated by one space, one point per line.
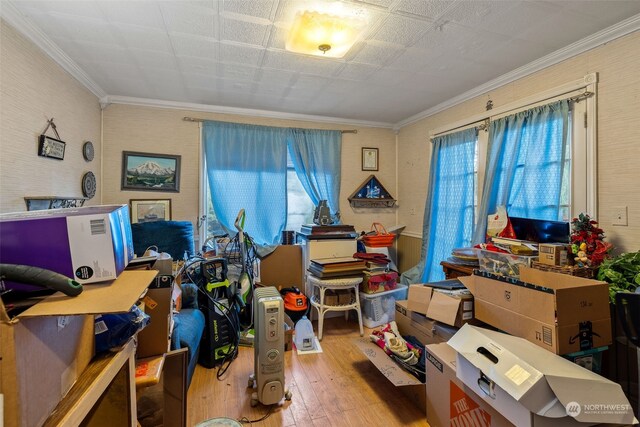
414 55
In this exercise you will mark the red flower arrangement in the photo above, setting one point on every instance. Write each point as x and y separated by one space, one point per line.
587 242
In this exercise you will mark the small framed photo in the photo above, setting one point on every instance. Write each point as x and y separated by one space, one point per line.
51 147
149 210
150 172
369 159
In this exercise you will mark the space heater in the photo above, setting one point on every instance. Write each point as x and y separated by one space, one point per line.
268 346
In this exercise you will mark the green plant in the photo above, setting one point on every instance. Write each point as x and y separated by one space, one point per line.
621 272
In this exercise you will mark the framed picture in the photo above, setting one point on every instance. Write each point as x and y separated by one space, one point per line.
51 147
148 210
150 172
369 159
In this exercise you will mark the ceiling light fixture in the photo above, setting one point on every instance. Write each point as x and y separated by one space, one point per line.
323 34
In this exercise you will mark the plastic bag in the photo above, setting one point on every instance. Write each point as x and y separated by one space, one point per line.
113 330
498 224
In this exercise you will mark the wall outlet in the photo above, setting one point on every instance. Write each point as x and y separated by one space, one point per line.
620 215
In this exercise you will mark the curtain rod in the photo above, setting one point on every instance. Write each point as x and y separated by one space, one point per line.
484 124
193 119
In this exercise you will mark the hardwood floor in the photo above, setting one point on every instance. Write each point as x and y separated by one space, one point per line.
339 387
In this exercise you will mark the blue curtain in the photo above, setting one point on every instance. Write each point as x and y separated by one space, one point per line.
449 211
246 168
316 158
525 165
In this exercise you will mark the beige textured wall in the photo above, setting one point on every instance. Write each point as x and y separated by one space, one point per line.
34 88
618 66
157 130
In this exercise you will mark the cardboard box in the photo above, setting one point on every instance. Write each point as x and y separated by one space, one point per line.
282 268
416 324
561 313
453 308
449 401
44 349
531 387
552 253
410 386
288 332
91 244
344 296
330 297
155 339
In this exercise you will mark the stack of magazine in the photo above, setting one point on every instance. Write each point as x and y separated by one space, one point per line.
332 268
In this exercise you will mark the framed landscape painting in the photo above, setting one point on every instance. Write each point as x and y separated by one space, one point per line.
150 172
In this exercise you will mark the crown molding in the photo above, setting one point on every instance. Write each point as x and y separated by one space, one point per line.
157 103
25 26
608 34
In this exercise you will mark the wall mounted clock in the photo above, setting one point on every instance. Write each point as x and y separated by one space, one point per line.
89 185
87 151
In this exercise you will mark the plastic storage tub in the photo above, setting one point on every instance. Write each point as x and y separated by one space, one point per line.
380 308
502 263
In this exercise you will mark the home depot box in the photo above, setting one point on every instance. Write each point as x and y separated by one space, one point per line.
453 308
409 385
44 349
282 268
561 313
91 244
531 387
449 401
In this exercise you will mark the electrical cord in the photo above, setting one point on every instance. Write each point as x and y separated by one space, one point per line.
245 420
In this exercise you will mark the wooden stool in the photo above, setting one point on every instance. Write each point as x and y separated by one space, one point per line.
337 284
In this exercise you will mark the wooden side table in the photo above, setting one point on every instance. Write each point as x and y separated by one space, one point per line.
451 270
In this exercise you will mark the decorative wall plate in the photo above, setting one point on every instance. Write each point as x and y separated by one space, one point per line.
89 185
88 151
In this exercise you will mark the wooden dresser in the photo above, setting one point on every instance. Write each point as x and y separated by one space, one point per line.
451 270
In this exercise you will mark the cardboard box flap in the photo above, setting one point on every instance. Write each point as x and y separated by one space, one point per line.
599 401
386 365
469 283
542 382
553 280
117 296
497 362
419 298
443 308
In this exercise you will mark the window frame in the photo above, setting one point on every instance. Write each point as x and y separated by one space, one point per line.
584 178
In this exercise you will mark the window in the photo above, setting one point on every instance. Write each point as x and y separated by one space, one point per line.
299 206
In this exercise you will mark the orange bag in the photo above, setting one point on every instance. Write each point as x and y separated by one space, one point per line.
381 239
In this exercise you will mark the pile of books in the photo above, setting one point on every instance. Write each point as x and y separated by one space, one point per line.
335 231
333 268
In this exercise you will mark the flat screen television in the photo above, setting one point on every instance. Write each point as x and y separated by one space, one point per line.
541 231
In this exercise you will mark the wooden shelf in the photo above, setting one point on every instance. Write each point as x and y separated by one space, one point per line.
106 387
38 203
371 194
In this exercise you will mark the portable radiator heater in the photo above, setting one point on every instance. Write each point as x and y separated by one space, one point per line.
268 376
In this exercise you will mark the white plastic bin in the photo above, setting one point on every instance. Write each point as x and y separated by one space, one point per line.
380 308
